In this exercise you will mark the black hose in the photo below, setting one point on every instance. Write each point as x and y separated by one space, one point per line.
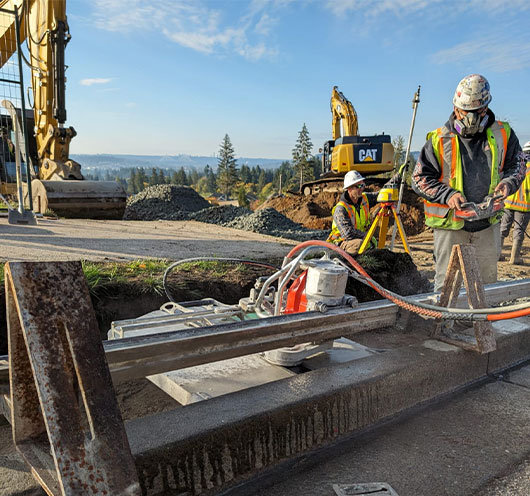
209 259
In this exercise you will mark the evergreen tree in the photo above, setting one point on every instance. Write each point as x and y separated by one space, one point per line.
132 187
245 174
226 167
210 179
141 179
399 151
242 199
194 178
181 177
302 157
261 181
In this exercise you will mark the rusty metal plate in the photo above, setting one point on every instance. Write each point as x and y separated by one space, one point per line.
65 416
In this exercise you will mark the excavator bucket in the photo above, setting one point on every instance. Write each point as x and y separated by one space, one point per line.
79 199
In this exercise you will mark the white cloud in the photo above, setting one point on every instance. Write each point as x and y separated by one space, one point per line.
195 25
92 81
373 8
493 54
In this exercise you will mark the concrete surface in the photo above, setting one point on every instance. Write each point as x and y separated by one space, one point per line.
74 239
451 449
248 432
472 444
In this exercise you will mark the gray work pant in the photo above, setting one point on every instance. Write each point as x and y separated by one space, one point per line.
519 226
487 244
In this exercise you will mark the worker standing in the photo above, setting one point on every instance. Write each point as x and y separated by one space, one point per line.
517 211
471 156
351 215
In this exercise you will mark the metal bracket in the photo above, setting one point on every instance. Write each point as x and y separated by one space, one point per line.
65 416
463 267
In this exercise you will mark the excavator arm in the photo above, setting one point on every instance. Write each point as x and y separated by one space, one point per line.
342 112
44 27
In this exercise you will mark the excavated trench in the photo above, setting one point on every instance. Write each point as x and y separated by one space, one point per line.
228 284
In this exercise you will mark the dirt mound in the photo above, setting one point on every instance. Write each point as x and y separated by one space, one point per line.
394 271
164 201
314 211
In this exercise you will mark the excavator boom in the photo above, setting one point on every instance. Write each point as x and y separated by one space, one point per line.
370 155
44 28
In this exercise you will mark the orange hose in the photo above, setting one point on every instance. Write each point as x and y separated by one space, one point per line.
359 268
509 315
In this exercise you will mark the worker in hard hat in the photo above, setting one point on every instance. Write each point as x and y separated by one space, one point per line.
471 156
351 215
517 212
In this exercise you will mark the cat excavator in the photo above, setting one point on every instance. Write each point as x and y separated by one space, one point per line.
57 183
347 150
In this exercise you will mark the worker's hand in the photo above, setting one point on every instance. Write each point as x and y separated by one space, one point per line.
456 200
501 189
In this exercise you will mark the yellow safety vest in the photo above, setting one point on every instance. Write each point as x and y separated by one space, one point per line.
447 151
520 200
360 219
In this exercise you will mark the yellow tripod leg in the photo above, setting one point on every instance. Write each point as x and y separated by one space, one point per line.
400 229
383 229
370 233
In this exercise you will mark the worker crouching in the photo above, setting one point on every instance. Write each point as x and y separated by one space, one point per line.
351 215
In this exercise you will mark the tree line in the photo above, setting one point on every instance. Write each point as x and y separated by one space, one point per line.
229 180
233 181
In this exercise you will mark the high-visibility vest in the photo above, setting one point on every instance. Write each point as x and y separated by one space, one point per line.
447 151
359 218
520 200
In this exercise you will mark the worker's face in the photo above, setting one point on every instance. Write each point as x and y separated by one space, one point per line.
355 191
460 114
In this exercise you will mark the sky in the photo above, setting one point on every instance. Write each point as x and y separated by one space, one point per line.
169 77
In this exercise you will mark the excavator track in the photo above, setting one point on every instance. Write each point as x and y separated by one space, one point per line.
79 199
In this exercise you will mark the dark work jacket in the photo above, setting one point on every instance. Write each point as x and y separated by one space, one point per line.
475 170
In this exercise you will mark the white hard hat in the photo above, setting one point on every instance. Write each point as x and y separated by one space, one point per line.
351 178
526 147
472 93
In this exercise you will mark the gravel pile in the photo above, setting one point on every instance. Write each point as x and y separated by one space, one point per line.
221 215
271 222
164 201
170 202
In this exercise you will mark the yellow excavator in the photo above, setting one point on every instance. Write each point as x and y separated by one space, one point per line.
370 155
57 182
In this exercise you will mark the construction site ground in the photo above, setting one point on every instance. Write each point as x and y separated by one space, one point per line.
440 450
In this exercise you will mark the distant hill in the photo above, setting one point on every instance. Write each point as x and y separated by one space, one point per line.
108 161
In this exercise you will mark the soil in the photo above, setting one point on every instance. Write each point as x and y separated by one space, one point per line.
314 211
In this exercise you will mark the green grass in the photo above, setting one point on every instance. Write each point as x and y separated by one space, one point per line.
214 269
142 275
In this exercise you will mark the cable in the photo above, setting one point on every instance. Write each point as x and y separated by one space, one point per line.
209 259
430 311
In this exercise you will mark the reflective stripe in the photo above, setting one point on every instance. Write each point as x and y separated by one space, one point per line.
520 200
447 151
359 220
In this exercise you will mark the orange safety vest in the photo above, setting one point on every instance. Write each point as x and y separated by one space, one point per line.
360 219
447 151
520 200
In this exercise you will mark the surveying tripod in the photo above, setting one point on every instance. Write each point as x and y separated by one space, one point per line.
387 197
390 198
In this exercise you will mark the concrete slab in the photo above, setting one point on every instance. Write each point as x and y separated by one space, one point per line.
242 434
344 350
520 377
215 379
451 449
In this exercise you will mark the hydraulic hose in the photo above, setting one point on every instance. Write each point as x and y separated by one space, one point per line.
424 309
209 259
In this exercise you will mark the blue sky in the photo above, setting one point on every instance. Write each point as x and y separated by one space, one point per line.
174 76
